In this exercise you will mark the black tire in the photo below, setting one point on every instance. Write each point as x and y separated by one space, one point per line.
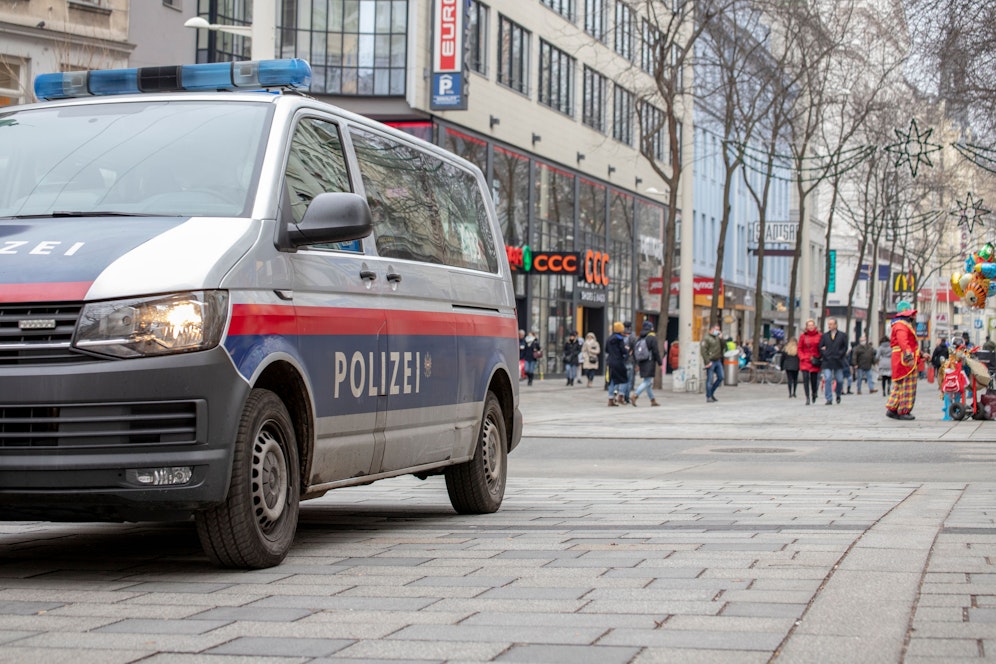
254 528
478 486
956 410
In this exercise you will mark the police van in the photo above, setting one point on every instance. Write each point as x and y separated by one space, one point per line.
220 297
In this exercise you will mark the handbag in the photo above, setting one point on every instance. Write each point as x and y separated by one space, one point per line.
816 361
537 354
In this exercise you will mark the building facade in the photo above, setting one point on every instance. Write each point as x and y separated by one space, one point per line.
39 36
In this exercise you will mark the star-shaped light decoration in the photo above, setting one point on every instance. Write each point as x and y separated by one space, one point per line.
913 147
970 211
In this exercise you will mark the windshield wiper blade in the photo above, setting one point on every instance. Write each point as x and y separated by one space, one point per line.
83 213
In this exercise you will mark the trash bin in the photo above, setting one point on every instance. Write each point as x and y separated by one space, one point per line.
731 365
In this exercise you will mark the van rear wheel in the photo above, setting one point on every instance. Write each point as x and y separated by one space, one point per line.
255 526
478 486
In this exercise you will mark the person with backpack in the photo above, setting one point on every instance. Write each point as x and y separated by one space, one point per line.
647 355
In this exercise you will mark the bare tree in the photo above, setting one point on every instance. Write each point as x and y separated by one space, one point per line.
674 26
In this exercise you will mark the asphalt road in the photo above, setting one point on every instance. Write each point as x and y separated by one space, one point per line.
756 529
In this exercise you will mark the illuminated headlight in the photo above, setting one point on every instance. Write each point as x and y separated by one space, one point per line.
160 325
168 476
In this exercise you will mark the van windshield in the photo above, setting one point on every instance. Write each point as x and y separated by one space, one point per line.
162 158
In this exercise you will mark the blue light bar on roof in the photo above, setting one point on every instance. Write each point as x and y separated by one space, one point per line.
256 74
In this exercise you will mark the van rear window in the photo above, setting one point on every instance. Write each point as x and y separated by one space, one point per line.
424 208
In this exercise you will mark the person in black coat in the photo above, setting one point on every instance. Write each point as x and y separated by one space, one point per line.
833 351
616 351
572 348
790 364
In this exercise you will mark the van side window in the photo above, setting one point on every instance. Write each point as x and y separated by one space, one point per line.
316 165
423 208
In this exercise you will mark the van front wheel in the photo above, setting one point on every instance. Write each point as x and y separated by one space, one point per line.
478 486
255 526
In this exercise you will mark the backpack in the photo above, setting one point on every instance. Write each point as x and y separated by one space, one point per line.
641 351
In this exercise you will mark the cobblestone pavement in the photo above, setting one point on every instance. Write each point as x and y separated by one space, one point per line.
620 568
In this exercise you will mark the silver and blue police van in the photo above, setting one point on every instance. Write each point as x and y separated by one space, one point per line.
220 297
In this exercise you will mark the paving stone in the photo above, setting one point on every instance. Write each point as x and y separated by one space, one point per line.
276 647
565 654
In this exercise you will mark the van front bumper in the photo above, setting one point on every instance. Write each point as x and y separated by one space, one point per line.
73 435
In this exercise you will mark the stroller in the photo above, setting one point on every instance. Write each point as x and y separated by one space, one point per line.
956 383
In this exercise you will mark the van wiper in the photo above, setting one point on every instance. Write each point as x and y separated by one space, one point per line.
83 213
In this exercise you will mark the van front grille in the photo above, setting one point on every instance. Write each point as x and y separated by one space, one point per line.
39 333
98 425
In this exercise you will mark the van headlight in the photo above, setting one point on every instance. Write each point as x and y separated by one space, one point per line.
158 325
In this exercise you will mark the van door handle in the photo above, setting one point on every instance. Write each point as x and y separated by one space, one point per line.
393 277
368 275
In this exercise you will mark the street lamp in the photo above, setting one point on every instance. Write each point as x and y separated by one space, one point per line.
262 32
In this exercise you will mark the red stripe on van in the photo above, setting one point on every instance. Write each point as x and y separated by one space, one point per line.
280 319
52 292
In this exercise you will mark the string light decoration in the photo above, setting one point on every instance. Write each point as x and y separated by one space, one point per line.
983 157
970 211
811 169
907 141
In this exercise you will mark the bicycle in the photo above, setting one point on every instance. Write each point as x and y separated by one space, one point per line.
763 372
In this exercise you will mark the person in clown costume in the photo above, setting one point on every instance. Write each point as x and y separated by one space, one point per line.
905 358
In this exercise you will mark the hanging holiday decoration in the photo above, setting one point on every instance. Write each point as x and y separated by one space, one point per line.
969 212
984 158
913 148
789 168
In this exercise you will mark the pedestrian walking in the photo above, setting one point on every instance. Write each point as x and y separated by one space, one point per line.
530 351
615 357
865 356
885 365
833 359
648 357
572 351
591 350
905 358
711 349
791 364
809 360
630 362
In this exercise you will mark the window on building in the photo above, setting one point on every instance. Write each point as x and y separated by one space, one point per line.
653 132
556 79
11 88
513 55
678 71
593 105
477 37
175 4
563 7
650 42
357 47
624 30
595 19
622 115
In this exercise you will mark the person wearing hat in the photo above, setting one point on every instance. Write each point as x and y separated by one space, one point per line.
648 358
616 350
905 358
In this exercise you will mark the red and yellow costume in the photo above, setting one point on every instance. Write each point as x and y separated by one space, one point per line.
905 359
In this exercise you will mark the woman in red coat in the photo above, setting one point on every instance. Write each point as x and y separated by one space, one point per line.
809 348
905 356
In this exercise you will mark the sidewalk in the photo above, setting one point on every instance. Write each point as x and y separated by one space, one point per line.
744 412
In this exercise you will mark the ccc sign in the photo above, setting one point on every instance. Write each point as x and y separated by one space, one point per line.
594 268
591 266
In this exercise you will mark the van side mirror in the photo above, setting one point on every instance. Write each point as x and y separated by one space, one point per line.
332 217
